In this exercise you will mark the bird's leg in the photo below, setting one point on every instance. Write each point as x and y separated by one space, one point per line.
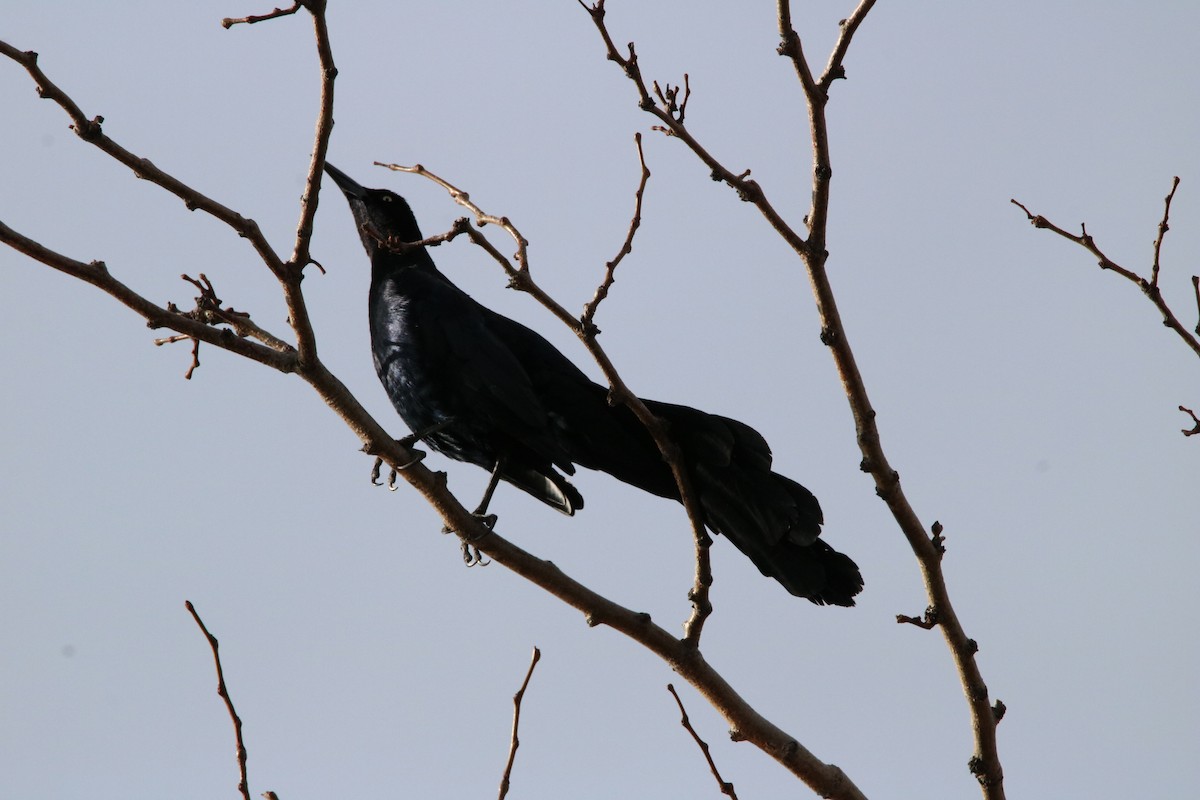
481 509
407 443
470 553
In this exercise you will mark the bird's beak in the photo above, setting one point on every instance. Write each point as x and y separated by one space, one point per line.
347 184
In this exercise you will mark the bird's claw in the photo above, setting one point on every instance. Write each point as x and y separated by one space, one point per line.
407 443
471 555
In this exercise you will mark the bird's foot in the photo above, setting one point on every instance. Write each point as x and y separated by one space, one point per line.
471 555
407 443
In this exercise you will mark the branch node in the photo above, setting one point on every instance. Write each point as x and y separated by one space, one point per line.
937 540
926 621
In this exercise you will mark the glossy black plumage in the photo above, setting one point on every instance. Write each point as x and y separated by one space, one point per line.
485 389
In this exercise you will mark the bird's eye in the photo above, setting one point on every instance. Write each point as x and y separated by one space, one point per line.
387 198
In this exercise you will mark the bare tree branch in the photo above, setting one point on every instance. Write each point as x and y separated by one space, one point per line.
1149 287
301 252
1163 227
229 22
515 741
725 786
1196 428
90 131
985 765
281 357
223 692
610 267
746 188
834 69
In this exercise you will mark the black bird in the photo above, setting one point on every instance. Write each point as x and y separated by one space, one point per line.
482 388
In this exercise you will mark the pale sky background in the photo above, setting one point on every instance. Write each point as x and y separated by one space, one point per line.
1027 399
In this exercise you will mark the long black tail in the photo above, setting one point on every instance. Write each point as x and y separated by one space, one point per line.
775 521
772 519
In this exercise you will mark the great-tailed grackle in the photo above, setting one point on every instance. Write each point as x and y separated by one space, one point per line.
482 388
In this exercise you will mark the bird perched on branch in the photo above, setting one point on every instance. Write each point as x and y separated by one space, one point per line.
482 388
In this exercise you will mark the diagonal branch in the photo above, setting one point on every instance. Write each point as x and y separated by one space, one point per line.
610 268
289 276
1149 287
1163 227
834 69
277 354
91 131
223 692
745 186
725 786
229 22
515 740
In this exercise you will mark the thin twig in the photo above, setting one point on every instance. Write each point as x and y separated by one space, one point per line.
834 69
243 782
1196 428
589 309
229 22
928 620
725 786
515 742
1196 289
1149 287
301 251
1163 227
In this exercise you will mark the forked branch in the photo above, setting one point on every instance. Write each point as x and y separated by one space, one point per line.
1149 286
811 249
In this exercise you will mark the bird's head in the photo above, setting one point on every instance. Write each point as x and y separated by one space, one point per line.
379 215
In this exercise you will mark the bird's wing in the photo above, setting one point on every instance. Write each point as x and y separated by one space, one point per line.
488 376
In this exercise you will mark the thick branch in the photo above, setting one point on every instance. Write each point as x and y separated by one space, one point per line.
279 355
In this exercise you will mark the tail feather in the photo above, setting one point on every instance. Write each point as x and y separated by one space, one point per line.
772 519
551 488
